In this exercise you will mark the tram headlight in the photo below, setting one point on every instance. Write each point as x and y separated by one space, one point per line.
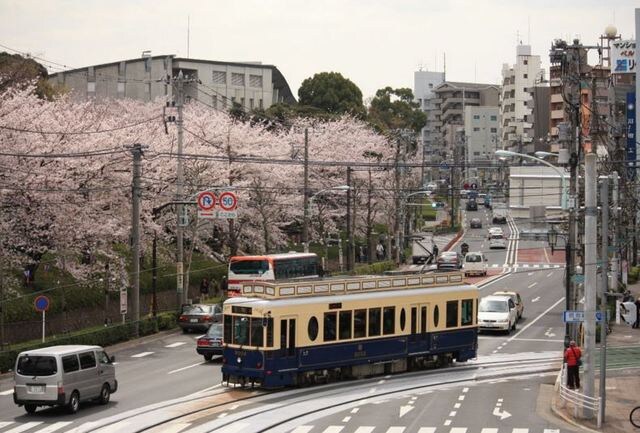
239 360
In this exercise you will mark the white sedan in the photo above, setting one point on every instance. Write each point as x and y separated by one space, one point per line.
497 241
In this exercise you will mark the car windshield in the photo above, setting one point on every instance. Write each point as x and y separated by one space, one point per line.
497 237
198 309
493 306
473 258
37 365
215 331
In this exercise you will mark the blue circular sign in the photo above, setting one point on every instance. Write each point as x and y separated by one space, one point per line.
41 303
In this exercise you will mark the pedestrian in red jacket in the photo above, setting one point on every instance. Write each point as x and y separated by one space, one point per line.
572 356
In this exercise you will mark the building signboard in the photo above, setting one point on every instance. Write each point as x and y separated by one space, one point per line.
623 56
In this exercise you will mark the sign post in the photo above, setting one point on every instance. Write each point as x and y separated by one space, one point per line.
41 303
123 302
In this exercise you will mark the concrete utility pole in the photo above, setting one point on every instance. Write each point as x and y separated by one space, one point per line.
305 223
615 263
180 292
604 205
590 270
350 248
135 233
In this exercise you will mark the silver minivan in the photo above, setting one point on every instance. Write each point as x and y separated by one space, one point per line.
63 376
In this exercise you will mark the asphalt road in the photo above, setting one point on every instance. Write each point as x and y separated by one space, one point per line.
160 369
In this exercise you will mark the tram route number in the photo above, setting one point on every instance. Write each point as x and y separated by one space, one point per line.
360 354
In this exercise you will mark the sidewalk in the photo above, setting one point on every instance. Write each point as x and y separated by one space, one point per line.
622 387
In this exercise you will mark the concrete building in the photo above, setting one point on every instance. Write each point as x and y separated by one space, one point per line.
537 185
517 100
252 85
481 126
424 84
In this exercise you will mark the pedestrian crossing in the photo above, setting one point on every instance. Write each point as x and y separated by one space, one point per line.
185 427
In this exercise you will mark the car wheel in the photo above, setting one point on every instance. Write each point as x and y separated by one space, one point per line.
105 394
74 403
30 408
208 357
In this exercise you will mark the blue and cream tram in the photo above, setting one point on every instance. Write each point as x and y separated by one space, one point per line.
296 333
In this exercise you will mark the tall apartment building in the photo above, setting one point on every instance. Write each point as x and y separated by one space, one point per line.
481 138
517 101
424 84
252 85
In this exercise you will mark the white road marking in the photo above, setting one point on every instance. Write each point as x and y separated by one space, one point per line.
458 430
372 390
532 285
380 382
5 423
520 430
140 355
536 299
501 414
551 430
185 368
452 413
465 389
7 392
56 426
456 406
427 430
498 404
24 427
222 415
404 410
234 407
176 344
546 340
529 274
395 429
447 422
174 428
495 265
500 400
355 410
334 429
489 430
346 419
461 398
549 274
302 429
364 429
524 328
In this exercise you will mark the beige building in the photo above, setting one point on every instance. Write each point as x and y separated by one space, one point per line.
219 84
535 186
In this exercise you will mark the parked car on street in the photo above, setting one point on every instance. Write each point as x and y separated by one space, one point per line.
515 297
475 263
211 343
497 241
475 223
472 205
497 313
198 317
449 260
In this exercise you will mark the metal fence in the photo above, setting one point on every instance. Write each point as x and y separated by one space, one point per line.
583 405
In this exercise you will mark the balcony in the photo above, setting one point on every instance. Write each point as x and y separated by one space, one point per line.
555 98
557 114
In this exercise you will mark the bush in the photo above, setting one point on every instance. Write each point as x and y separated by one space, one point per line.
633 274
375 268
101 336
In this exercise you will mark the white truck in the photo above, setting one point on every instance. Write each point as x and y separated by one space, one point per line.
499 213
422 247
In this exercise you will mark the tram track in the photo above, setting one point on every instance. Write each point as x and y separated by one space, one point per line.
277 402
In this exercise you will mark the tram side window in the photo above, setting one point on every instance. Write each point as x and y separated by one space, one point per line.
227 328
423 320
359 323
452 314
403 319
257 332
436 316
467 312
240 330
329 331
270 332
389 320
345 325
375 317
414 320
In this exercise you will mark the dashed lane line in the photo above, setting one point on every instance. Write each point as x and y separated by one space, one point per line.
185 368
141 355
176 344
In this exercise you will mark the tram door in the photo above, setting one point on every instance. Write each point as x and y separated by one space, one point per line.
288 336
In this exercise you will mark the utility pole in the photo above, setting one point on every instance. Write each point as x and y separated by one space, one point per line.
349 228
135 233
107 278
615 264
305 223
590 269
154 277
2 308
180 292
604 205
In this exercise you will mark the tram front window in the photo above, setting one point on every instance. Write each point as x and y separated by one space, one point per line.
240 330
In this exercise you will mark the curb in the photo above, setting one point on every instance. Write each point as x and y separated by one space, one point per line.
453 241
557 412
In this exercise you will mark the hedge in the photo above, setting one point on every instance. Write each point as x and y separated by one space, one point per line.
103 336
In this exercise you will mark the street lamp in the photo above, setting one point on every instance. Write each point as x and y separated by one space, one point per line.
310 203
563 186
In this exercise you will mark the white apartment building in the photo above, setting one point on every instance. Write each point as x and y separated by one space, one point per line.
424 83
535 186
481 129
219 84
516 105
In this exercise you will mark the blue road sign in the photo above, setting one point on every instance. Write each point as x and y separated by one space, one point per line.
575 316
444 166
41 303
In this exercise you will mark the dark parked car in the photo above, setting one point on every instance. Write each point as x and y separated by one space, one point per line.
475 223
199 317
211 343
472 205
449 260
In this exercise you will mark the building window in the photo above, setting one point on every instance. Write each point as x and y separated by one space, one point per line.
431 85
255 81
242 102
476 117
494 130
219 77
526 76
233 99
91 87
251 103
214 101
476 129
525 61
147 64
260 103
237 79
494 118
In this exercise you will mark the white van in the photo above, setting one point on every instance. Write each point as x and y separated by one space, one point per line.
497 313
63 376
475 263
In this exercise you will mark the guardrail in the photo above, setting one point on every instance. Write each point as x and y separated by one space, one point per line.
579 401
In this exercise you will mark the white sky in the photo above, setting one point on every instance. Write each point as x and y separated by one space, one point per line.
374 43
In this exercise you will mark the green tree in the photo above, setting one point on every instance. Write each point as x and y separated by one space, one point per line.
394 109
332 93
16 70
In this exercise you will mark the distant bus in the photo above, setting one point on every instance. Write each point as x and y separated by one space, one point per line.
270 267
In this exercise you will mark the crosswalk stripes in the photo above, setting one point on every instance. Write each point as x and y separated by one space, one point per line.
59 427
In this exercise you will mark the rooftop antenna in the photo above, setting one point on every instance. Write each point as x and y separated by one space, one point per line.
188 28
